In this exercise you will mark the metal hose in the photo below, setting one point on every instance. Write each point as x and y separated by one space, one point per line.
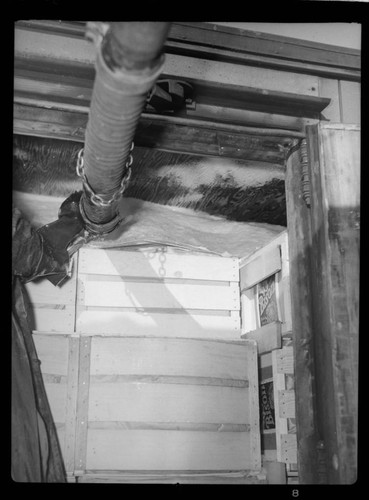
129 60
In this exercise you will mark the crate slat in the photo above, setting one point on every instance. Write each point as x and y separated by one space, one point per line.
167 450
159 295
187 324
145 402
169 356
157 264
260 267
287 404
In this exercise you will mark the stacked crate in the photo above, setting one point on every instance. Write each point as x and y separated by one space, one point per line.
266 318
145 370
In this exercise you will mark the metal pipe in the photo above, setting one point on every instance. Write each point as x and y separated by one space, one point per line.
129 60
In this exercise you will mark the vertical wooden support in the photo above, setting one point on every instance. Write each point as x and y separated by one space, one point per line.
71 406
299 238
82 404
280 423
252 367
334 152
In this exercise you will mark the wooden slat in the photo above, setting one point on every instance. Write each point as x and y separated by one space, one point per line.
177 477
170 379
253 406
267 337
279 384
149 402
248 310
44 292
160 324
52 350
157 264
82 403
167 450
260 267
71 407
287 404
169 426
159 356
49 319
153 295
289 448
285 360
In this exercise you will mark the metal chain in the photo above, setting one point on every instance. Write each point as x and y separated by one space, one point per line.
96 199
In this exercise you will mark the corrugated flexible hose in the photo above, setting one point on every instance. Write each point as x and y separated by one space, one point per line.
128 62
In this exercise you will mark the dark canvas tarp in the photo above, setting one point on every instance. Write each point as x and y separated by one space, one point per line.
35 450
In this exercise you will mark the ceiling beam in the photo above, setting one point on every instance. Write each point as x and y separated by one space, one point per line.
178 135
228 44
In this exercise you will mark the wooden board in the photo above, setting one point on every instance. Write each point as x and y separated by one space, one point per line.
187 357
186 324
260 267
157 263
175 477
267 337
151 402
334 151
157 295
53 307
167 450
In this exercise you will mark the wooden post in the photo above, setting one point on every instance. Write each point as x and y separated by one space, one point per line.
323 204
299 237
334 171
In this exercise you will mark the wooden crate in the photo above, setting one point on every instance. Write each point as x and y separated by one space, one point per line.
266 318
152 403
150 377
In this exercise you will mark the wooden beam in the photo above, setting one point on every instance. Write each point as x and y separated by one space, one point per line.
223 43
299 238
165 134
334 170
71 82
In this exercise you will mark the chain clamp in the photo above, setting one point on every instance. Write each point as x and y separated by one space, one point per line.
96 199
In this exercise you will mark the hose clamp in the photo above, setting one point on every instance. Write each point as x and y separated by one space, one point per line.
97 199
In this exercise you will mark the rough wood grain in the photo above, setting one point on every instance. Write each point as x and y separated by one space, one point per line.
299 239
335 176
